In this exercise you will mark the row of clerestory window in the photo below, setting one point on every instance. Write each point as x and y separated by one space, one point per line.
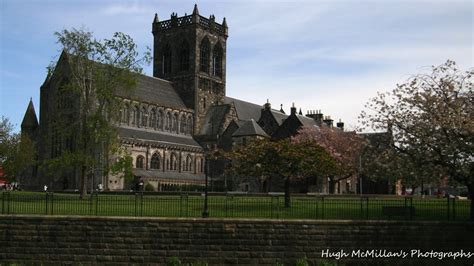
156 163
156 119
205 58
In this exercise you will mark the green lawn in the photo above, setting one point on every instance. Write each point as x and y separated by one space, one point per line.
270 207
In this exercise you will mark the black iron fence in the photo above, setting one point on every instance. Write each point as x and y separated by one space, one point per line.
266 206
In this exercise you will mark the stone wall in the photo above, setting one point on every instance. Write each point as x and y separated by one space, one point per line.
119 240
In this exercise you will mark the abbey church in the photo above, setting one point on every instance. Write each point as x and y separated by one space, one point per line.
174 117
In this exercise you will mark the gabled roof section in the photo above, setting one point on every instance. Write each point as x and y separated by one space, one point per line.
30 120
306 121
249 128
154 90
148 89
214 119
245 110
279 116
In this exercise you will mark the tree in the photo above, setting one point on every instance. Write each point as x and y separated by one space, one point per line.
17 152
92 72
432 116
285 159
344 147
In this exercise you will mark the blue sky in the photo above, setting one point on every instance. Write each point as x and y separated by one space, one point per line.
327 55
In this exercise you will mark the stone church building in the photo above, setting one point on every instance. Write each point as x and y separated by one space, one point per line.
174 117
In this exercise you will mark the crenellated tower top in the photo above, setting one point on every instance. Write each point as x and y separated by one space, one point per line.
193 19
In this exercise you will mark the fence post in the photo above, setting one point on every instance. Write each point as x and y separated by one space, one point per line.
367 208
96 203
3 202
138 200
46 203
317 209
322 207
226 204
183 196
52 203
91 198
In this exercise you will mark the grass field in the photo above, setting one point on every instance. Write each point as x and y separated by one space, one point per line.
243 206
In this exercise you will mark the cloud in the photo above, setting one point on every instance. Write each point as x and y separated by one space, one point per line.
126 9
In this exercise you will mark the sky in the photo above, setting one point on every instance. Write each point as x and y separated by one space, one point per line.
327 55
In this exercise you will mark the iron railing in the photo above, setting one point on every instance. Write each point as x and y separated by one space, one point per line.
238 205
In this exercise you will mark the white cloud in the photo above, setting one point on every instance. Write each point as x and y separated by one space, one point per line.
127 9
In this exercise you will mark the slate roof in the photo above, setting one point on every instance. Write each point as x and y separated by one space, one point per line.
306 121
154 90
247 111
279 116
159 137
214 119
30 120
249 128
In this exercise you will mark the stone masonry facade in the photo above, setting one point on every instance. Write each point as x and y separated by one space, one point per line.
125 241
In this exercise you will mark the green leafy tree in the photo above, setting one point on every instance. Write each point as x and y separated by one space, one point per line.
17 152
286 159
432 118
343 146
92 72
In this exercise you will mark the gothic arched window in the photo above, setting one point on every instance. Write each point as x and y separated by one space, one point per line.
153 118
175 123
168 122
189 163
159 120
184 56
144 116
190 126
135 116
173 162
204 49
140 162
217 60
125 113
183 127
155 161
166 59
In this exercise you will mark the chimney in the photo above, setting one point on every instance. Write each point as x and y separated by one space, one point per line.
267 106
340 125
328 121
293 109
316 115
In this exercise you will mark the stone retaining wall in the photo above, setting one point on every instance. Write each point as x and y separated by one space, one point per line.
123 240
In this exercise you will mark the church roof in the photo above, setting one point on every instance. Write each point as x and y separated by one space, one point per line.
154 90
158 137
246 110
214 119
30 120
249 128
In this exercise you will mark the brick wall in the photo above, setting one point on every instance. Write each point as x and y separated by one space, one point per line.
50 239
